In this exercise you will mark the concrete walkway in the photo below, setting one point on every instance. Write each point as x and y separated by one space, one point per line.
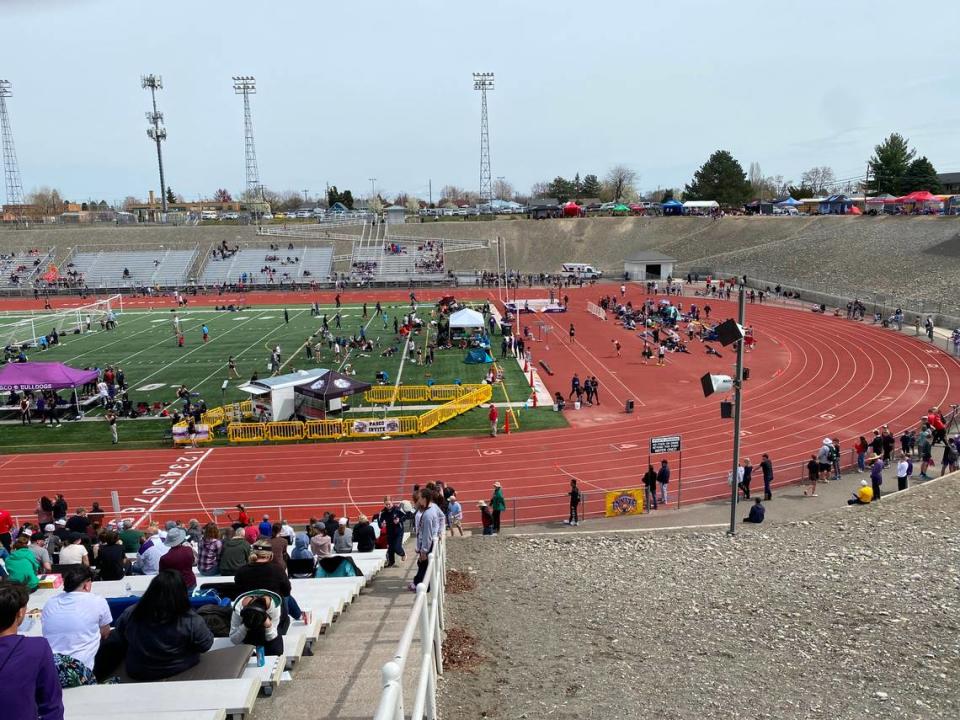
342 679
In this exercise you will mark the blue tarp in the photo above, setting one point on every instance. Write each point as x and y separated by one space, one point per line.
788 202
672 207
477 356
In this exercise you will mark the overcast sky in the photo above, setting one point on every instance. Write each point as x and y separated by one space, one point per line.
384 90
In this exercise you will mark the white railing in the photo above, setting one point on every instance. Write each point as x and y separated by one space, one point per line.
427 615
595 309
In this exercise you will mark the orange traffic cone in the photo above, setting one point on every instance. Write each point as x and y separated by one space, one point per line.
531 377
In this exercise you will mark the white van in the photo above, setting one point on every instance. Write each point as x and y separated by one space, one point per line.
581 270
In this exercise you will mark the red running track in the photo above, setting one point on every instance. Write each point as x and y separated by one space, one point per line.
811 377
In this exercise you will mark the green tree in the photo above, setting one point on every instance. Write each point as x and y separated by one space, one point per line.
171 197
720 178
577 184
562 189
889 163
590 187
346 197
920 175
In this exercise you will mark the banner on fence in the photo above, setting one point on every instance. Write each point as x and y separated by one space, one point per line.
624 502
375 426
182 437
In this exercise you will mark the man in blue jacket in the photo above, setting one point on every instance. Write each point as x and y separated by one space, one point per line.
756 512
663 478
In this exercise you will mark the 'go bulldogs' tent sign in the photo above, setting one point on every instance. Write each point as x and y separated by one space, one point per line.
665 444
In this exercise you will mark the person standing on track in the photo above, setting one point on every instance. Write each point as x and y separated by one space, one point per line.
876 475
574 494
498 504
573 334
574 386
663 479
766 467
596 389
337 301
616 346
661 355
813 474
650 485
493 416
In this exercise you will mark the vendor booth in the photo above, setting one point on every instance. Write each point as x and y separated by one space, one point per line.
273 398
329 394
672 207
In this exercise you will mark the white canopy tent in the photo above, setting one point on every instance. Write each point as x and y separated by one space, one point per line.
465 319
701 204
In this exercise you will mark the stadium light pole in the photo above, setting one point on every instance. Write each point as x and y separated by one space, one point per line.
737 407
156 133
483 82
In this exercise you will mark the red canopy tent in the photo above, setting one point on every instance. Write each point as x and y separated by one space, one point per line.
918 196
571 209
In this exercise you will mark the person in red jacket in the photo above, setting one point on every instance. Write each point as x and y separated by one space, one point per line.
935 420
493 417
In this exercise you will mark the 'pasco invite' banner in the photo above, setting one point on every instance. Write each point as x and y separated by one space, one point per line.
375 427
624 502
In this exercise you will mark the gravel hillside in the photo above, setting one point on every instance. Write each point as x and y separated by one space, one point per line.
852 614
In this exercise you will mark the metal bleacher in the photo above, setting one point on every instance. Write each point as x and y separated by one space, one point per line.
313 262
24 266
105 268
371 261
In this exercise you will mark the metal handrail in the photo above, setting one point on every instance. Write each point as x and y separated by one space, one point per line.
427 616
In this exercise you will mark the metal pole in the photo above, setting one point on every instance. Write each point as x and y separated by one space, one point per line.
737 407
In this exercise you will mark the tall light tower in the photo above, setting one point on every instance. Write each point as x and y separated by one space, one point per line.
11 168
484 82
246 85
156 131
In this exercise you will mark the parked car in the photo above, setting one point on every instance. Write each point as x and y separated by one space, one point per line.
304 214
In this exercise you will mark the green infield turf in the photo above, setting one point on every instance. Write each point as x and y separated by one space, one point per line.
145 346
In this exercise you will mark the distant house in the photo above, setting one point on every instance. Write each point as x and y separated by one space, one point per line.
949 183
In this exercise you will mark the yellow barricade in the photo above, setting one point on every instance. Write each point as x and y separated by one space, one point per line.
458 406
213 417
283 431
246 432
379 395
386 394
323 429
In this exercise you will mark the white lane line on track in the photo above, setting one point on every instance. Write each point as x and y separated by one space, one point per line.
160 501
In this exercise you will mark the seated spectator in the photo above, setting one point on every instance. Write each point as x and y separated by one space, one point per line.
180 557
262 573
863 495
756 512
365 534
148 557
343 538
111 559
38 546
194 531
287 532
74 553
320 544
279 545
235 553
265 527
31 688
130 537
211 547
256 621
22 564
162 635
251 533
301 548
75 621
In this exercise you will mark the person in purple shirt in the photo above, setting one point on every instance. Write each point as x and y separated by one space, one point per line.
876 475
31 688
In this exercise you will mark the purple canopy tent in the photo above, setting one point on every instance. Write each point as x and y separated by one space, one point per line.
43 376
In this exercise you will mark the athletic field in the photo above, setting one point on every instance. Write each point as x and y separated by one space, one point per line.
144 345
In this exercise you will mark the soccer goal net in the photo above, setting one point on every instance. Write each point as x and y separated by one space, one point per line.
38 329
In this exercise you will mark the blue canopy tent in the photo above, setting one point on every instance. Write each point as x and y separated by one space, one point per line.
836 205
788 202
672 207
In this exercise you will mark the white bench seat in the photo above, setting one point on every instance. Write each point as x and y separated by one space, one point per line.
233 697
172 715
